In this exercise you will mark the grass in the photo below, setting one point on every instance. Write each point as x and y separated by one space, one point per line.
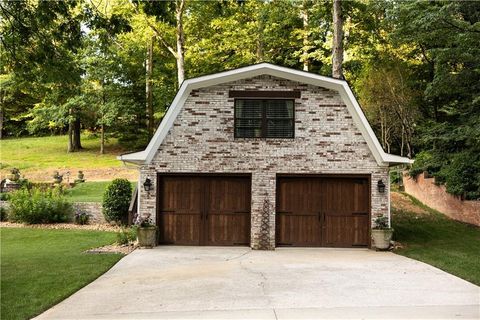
89 191
51 152
439 241
41 267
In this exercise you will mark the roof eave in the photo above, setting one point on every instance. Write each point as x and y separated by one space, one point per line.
137 158
393 160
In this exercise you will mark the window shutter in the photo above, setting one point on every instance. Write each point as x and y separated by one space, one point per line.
255 118
279 115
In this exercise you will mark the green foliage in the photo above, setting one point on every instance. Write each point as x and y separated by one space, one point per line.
38 206
3 214
395 177
4 196
126 236
81 218
381 222
42 267
460 172
116 200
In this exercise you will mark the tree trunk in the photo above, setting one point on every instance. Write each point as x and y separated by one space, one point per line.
76 134
304 16
1 116
70 133
337 48
102 139
260 42
148 89
180 41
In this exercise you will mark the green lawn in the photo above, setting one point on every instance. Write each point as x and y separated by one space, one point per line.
89 191
439 241
51 152
41 267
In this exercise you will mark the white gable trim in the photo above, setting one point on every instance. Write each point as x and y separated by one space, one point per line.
382 158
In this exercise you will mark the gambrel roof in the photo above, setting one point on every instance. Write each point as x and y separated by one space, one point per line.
341 86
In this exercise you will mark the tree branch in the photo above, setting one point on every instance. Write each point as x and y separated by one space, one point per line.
458 27
155 30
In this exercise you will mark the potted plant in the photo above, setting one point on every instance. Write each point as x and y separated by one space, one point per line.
146 233
382 233
14 175
80 177
57 177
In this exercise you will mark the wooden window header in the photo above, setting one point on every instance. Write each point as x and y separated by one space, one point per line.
264 94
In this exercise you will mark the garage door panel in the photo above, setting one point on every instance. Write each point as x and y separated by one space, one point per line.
230 229
228 207
204 210
181 229
346 231
298 230
322 211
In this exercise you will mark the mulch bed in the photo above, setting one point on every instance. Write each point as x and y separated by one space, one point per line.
113 248
98 227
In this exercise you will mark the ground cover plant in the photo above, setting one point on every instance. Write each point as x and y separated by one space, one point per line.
41 267
433 238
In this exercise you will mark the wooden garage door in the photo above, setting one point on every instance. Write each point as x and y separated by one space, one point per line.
204 210
322 211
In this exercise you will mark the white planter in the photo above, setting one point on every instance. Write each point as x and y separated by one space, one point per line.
381 238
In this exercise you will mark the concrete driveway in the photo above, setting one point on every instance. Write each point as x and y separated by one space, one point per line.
237 283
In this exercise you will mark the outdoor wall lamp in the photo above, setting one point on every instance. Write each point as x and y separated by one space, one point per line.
147 185
381 186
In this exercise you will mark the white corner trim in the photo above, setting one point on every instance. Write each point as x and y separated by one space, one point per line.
382 158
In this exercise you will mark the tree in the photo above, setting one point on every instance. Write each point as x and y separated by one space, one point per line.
163 25
41 40
448 70
337 48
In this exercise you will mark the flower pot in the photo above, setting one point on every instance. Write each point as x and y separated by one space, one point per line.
12 177
381 238
147 236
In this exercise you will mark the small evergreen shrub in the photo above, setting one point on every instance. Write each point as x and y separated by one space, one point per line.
38 206
116 200
81 218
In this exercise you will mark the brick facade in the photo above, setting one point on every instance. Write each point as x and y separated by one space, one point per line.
326 141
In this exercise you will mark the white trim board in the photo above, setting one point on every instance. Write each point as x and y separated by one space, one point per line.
382 158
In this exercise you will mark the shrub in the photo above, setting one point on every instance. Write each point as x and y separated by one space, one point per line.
4 196
3 214
125 236
37 206
81 218
381 222
116 200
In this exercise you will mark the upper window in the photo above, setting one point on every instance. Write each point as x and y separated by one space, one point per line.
263 118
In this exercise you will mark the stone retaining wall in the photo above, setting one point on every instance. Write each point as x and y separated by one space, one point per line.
94 209
436 197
